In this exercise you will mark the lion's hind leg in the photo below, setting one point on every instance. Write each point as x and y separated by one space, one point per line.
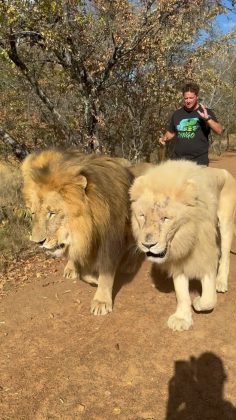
207 301
182 318
226 226
226 213
223 269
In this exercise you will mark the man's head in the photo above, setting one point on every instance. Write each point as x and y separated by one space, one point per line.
190 94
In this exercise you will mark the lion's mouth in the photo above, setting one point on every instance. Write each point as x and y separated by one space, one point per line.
57 250
159 255
60 246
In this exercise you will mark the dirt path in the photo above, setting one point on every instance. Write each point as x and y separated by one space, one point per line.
59 362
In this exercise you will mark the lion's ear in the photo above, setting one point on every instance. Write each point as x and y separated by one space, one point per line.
81 181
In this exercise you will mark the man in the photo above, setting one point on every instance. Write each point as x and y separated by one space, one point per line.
191 126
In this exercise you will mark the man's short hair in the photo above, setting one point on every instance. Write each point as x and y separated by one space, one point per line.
191 87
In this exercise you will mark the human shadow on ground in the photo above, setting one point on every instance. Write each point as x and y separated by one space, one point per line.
196 391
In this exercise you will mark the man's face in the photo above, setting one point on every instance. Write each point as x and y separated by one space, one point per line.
190 100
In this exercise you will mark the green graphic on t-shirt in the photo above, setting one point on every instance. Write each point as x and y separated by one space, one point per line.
187 127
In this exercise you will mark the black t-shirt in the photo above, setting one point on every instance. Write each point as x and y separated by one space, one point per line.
192 134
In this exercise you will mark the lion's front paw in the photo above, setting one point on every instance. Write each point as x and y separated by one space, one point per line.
221 285
177 323
100 308
200 305
70 273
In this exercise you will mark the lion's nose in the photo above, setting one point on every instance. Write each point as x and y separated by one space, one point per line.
149 246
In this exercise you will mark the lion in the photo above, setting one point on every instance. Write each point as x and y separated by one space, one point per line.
179 209
80 209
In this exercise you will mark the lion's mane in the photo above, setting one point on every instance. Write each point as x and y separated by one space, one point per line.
100 211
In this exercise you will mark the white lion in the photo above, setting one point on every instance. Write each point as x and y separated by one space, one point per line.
176 210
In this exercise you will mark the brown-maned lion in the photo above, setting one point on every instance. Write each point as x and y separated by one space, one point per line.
176 208
80 208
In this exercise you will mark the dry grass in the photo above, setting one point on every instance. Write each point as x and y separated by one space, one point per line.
14 219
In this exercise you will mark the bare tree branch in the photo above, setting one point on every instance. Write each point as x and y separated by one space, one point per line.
19 150
14 56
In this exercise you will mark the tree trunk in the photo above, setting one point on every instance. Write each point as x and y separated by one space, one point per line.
91 120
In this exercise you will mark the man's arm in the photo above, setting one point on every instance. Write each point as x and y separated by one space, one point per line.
167 136
213 124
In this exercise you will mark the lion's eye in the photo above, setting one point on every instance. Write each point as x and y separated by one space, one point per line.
141 215
165 219
51 214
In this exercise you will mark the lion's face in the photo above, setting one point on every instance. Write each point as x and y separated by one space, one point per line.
50 223
61 220
163 228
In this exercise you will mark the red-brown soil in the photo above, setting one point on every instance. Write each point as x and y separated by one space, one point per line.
59 362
